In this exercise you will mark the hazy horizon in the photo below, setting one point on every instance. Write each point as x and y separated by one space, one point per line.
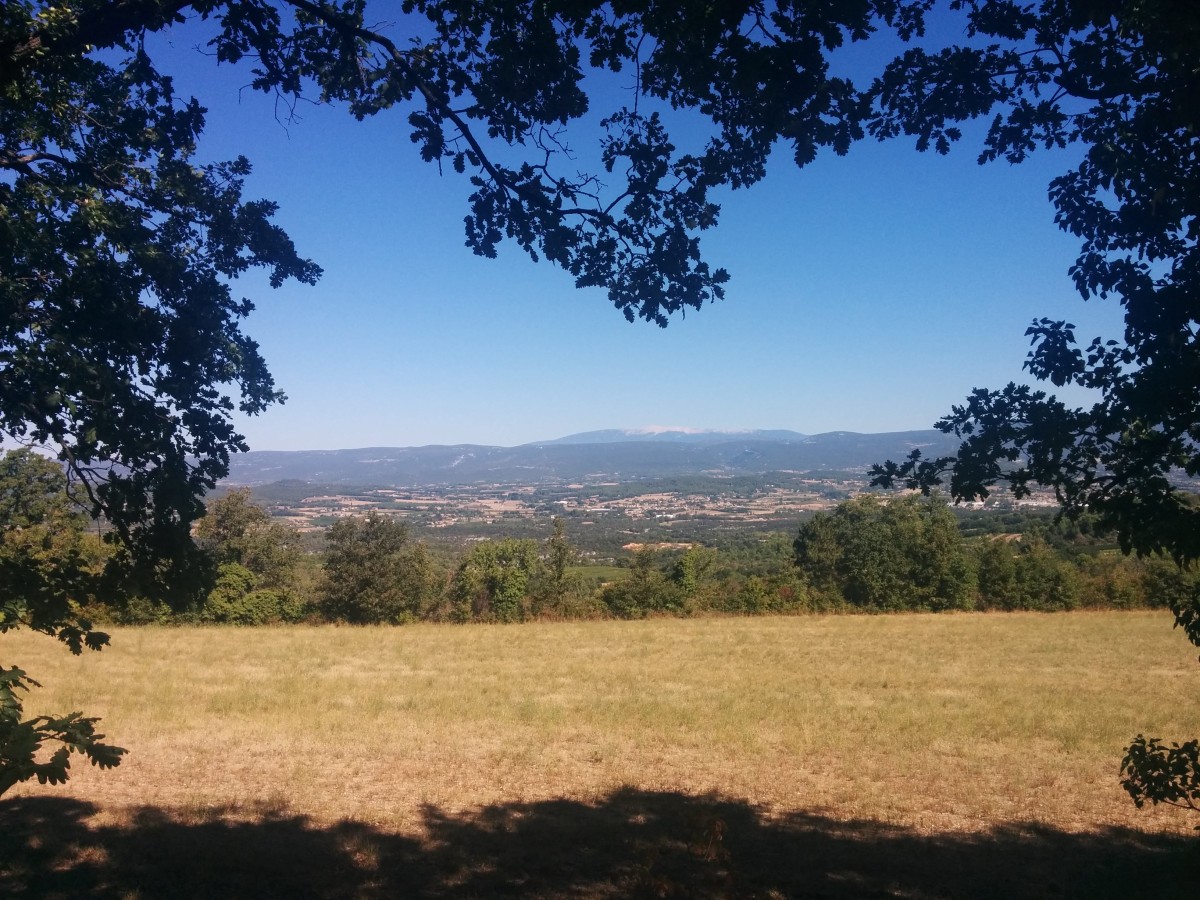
648 431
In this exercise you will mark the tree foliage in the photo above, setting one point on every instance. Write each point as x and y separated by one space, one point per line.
1119 80
494 579
905 553
1027 576
48 567
374 574
46 572
1154 772
119 330
255 561
236 530
686 582
649 589
22 740
560 556
106 208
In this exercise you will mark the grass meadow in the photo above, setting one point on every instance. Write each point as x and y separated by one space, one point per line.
905 755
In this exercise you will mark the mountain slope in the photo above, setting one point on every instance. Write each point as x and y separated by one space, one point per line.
673 435
567 460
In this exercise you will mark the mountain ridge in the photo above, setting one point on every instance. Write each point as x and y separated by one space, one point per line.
676 434
572 459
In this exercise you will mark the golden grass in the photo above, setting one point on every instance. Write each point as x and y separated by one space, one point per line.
937 723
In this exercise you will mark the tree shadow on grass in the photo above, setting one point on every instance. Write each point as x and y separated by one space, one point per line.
630 843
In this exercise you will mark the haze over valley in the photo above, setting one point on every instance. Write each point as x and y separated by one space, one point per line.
614 489
624 455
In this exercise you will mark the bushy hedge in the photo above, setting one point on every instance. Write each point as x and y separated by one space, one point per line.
872 553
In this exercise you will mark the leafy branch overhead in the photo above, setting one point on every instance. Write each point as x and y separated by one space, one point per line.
48 567
22 741
1121 81
1161 774
107 210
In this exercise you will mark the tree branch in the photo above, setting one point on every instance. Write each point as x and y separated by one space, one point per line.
100 26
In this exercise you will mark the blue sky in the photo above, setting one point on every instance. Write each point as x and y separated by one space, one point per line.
868 293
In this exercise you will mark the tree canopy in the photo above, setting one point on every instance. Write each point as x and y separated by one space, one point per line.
374 574
903 554
122 345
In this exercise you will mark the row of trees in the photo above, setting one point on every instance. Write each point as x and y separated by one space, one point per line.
869 554
372 572
909 553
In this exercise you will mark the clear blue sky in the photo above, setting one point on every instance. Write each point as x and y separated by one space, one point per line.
868 293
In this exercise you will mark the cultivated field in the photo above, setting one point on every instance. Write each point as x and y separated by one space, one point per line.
949 755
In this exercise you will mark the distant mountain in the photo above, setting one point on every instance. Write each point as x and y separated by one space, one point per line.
568 460
675 435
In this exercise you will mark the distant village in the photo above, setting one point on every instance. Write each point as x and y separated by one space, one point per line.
586 505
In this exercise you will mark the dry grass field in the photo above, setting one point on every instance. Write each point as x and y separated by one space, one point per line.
913 755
